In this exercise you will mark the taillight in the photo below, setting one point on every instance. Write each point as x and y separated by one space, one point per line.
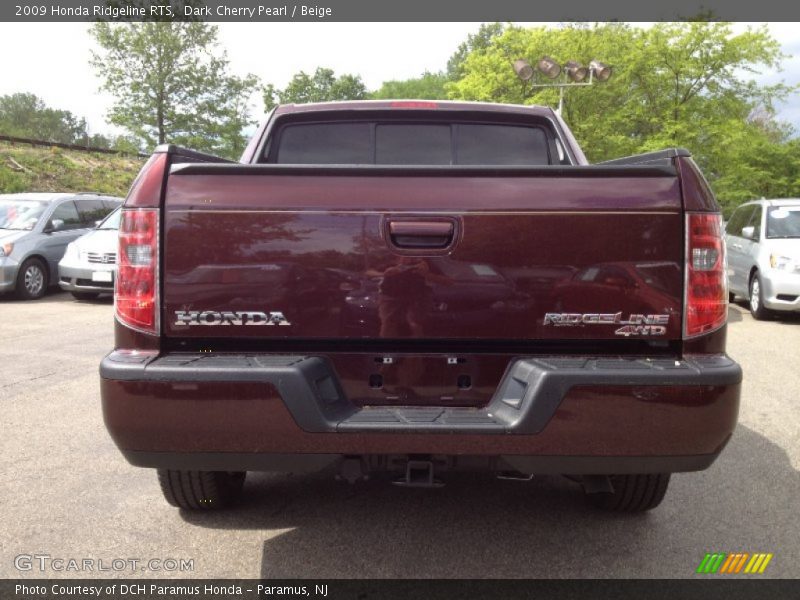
146 189
706 281
136 292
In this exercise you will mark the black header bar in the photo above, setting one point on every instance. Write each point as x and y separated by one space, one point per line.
735 587
397 10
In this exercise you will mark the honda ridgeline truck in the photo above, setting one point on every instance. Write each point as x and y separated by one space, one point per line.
414 287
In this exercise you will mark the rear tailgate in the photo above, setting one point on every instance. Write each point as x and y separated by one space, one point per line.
422 254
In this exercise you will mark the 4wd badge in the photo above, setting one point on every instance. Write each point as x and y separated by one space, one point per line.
634 325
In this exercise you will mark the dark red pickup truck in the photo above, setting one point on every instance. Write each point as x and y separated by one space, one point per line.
415 287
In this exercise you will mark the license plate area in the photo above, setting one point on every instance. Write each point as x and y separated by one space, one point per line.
103 276
419 380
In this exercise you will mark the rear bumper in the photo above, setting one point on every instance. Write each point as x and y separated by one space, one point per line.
549 414
78 278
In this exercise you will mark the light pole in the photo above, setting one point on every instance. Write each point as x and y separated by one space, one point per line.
573 72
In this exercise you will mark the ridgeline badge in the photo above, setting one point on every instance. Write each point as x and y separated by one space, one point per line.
634 325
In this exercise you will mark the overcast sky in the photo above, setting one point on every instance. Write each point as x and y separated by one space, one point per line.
51 59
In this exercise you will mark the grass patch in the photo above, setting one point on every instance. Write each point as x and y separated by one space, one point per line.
26 168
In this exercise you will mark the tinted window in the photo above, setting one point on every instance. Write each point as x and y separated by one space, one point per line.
112 220
112 204
501 145
92 211
67 215
395 143
783 222
326 144
739 219
407 144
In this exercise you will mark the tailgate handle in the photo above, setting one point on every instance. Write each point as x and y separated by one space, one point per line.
421 234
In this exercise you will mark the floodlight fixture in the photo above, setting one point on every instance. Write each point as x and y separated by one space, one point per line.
576 71
549 68
523 69
601 71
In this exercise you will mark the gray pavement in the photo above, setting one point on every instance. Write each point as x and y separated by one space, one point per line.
67 492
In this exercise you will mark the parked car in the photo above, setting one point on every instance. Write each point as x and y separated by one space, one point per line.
435 226
88 267
35 229
763 243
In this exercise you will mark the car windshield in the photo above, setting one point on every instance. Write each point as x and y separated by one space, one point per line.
112 220
20 214
783 222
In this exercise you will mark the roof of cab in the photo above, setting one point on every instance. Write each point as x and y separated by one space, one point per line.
413 105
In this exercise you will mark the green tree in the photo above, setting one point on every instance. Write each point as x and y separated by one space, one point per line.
171 83
322 86
125 143
96 140
674 84
428 86
26 115
475 43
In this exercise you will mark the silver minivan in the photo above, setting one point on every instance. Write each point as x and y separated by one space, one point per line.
762 240
35 229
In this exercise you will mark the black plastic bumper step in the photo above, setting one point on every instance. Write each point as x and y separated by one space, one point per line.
421 419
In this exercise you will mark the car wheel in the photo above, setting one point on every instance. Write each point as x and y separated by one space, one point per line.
632 493
757 308
32 280
85 295
201 490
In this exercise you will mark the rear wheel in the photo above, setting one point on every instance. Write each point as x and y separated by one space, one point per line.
85 295
757 308
633 493
201 490
32 280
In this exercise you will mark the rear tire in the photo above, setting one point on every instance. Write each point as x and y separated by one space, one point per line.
32 280
633 493
85 295
756 303
201 490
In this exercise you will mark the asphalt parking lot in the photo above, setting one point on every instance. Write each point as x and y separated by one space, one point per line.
68 493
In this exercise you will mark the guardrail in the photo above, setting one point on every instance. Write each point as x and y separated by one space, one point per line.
32 142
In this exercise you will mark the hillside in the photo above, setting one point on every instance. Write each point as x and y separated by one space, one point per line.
25 168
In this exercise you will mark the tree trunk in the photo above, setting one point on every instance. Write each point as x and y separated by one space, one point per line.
160 120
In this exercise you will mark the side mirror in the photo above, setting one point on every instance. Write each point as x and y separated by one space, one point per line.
749 232
54 225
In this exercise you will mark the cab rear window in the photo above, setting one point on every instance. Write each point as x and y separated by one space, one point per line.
364 143
325 144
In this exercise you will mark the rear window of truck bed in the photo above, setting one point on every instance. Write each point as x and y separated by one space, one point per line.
400 143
